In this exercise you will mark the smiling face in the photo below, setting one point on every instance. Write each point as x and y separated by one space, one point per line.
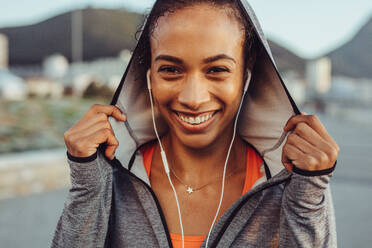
197 73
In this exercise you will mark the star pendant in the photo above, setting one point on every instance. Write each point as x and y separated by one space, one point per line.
189 190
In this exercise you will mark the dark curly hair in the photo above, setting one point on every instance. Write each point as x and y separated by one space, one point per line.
142 54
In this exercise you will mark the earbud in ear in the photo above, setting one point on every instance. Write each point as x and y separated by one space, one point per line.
148 79
247 80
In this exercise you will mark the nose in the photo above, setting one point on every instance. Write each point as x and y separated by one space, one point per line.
194 93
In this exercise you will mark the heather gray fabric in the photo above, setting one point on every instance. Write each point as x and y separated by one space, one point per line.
285 211
111 203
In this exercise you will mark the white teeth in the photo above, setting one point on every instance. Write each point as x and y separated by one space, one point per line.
195 120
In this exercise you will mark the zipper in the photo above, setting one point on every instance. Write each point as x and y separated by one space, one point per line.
118 165
161 213
236 210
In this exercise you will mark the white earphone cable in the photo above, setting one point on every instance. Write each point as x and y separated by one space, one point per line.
225 166
164 158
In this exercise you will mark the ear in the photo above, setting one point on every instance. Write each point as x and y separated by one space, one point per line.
248 70
251 61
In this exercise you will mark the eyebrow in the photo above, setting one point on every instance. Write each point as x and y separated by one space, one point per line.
169 58
205 61
218 57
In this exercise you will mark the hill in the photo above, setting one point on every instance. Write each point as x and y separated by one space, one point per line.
105 33
287 60
354 59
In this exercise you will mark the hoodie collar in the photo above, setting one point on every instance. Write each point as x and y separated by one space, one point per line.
267 105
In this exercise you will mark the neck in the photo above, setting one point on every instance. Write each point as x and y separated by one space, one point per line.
198 166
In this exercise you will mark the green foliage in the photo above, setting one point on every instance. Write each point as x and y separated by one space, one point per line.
96 90
39 123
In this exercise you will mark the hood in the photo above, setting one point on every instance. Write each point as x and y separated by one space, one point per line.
266 107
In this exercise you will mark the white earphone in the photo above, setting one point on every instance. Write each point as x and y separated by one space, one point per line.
163 156
249 75
165 162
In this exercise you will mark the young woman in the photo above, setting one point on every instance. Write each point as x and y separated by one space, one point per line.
170 164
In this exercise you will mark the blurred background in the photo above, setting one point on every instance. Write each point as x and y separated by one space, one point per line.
57 58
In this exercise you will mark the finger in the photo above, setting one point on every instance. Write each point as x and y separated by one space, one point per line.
112 144
109 110
289 154
287 163
311 120
302 144
304 131
105 135
314 123
96 127
322 159
294 156
90 121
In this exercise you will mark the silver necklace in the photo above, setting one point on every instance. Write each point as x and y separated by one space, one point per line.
190 189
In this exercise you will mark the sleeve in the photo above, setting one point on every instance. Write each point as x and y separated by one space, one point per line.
85 217
307 213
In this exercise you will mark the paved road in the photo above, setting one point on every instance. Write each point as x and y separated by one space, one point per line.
30 221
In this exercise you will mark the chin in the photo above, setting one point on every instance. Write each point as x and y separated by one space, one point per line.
197 142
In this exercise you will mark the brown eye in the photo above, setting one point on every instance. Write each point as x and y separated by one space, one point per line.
218 70
169 70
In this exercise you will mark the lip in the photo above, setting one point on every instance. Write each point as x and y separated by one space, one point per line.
195 128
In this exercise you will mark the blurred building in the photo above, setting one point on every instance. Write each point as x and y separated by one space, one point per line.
83 81
319 76
106 71
55 66
350 91
56 77
4 51
11 86
44 87
296 85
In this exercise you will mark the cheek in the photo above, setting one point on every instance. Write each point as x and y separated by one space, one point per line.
230 93
163 93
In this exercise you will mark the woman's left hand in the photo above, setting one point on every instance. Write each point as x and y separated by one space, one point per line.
309 147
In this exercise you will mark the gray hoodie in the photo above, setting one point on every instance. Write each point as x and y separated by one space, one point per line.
111 203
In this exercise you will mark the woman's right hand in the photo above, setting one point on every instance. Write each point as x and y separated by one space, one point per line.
83 138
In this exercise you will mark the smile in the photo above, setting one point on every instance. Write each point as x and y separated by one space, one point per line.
195 120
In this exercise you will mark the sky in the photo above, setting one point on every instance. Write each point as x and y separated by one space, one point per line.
309 28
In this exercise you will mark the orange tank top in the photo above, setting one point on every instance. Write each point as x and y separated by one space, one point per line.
252 174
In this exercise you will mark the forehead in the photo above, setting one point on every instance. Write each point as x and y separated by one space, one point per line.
201 30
